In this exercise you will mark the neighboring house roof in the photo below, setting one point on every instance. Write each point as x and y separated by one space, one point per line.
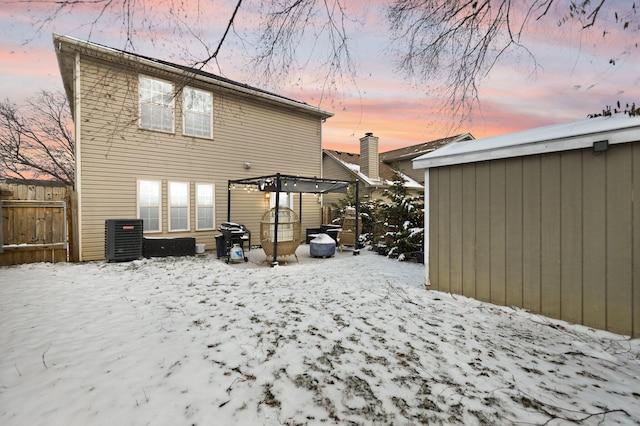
89 47
413 151
351 162
619 128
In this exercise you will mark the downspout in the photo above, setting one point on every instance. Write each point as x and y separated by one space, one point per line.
275 228
427 191
78 152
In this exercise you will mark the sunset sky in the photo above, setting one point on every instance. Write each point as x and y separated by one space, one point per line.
575 72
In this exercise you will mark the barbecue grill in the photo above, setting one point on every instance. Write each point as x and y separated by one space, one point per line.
232 233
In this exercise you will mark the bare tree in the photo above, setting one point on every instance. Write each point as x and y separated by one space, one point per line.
451 45
285 25
458 42
35 140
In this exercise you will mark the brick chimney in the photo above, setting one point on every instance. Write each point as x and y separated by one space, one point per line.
369 161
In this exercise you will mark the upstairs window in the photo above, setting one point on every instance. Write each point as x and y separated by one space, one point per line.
196 109
149 204
156 104
204 206
178 206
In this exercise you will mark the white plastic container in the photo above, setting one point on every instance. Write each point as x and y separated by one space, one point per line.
200 248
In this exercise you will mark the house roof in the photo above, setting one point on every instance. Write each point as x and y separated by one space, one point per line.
413 151
351 162
619 128
65 46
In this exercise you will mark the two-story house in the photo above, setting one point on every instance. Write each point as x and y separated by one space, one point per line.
159 141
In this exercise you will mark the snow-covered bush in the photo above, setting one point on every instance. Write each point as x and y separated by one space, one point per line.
393 225
404 219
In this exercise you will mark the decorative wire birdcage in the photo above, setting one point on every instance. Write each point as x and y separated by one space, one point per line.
289 233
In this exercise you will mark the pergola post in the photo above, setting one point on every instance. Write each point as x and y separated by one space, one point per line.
356 250
228 201
277 218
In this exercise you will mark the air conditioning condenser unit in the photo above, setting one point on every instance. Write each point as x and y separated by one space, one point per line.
122 239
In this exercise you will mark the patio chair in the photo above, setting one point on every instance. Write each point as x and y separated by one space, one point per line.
289 232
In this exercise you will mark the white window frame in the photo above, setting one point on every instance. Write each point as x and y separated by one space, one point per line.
147 203
157 100
172 187
206 115
286 200
212 206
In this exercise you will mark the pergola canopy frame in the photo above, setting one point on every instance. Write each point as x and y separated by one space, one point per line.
297 184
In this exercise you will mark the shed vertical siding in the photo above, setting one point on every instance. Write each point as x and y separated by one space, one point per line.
455 195
434 226
514 229
469 230
636 242
497 215
550 232
570 235
594 231
531 238
619 245
483 231
557 234
444 230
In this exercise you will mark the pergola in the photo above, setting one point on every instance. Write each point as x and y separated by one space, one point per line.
296 184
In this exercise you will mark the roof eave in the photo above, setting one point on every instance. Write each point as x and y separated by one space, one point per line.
136 59
614 136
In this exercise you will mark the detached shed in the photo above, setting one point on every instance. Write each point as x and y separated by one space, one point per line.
543 219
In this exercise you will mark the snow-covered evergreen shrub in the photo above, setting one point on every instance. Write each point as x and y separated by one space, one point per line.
404 219
396 223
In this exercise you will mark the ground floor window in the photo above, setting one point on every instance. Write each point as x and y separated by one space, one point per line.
149 204
178 198
181 200
205 194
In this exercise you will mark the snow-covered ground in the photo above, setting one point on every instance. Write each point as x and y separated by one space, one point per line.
344 340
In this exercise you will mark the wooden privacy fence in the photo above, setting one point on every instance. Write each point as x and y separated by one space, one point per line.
34 223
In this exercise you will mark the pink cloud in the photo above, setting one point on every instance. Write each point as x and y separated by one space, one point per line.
573 80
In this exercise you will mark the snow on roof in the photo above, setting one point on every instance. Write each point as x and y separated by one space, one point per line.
619 128
383 180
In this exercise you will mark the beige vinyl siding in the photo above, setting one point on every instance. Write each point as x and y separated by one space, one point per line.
557 234
115 153
332 169
406 167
